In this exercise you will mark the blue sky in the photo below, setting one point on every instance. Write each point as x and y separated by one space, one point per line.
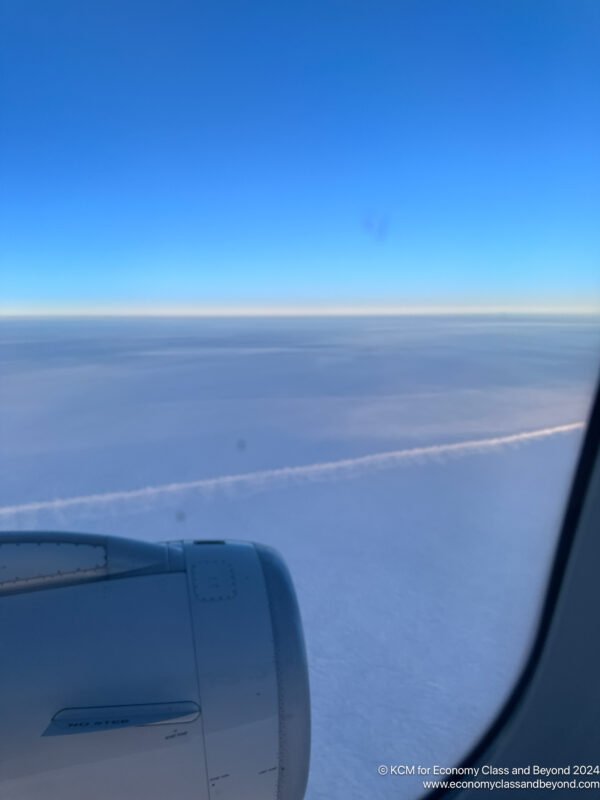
330 154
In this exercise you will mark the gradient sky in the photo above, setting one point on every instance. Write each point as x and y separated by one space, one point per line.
224 153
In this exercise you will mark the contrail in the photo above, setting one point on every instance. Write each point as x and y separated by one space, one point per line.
268 478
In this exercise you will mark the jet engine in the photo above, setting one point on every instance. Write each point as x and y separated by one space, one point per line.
141 671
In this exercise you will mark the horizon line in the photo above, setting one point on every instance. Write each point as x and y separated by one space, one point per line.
199 311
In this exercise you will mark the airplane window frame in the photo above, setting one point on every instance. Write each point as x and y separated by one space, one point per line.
588 461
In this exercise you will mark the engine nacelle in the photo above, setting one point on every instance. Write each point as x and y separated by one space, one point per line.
141 671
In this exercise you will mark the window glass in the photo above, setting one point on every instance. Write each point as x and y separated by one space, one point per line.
323 276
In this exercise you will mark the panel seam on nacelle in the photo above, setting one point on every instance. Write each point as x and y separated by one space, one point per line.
196 667
276 659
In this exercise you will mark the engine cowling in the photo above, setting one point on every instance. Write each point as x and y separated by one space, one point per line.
141 670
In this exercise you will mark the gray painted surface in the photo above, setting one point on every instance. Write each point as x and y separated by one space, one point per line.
151 675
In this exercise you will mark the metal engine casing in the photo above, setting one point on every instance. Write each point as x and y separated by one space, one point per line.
141 671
